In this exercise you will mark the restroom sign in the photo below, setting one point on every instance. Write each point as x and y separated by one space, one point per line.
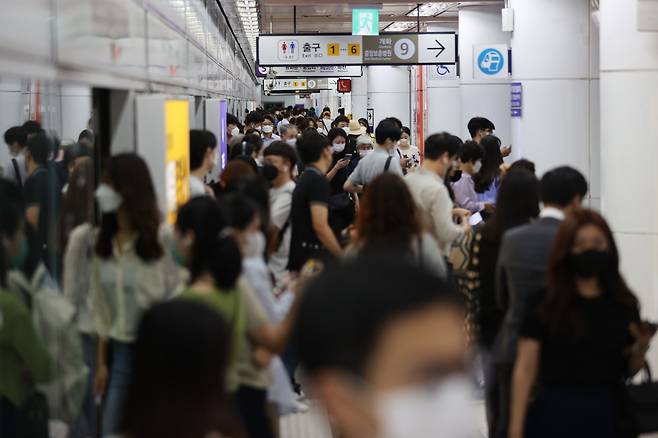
491 61
288 50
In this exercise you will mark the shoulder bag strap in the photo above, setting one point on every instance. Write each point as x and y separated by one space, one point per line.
19 180
388 163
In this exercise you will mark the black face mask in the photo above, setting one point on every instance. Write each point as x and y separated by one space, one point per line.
590 263
270 172
456 176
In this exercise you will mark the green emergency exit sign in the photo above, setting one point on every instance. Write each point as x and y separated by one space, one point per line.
365 21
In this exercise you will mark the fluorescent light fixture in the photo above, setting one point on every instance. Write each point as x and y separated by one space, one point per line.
432 9
400 26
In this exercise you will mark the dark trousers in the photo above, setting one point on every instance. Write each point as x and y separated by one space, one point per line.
8 414
498 398
251 404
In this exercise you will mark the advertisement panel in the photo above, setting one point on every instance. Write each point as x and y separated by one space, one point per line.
177 168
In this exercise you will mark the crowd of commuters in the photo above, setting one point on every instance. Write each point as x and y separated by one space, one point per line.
326 259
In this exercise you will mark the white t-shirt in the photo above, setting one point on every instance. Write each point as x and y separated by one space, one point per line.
269 141
280 204
197 187
8 171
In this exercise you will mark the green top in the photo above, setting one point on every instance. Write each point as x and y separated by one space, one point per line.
230 305
20 350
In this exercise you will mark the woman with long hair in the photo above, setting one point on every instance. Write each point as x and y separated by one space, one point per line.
342 207
487 180
388 216
131 272
583 342
178 390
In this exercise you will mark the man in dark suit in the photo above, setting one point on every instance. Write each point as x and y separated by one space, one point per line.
521 281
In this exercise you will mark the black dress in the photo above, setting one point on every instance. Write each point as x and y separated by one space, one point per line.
582 367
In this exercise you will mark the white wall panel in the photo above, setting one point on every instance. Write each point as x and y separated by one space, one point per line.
389 92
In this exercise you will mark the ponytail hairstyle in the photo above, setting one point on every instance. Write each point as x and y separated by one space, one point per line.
214 250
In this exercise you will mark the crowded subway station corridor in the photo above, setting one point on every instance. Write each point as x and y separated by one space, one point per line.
328 219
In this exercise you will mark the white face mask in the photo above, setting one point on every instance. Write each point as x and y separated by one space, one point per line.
267 129
444 410
404 142
338 147
477 166
363 153
292 142
255 245
320 130
108 199
235 131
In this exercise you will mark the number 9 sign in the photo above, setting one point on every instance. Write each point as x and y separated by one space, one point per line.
404 48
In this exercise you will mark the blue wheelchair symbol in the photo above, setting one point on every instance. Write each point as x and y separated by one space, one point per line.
442 70
491 61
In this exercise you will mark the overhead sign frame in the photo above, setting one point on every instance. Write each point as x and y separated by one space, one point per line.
306 71
401 49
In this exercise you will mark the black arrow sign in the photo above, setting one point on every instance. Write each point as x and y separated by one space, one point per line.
440 48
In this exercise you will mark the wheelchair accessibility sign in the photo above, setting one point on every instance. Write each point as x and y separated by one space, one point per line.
490 62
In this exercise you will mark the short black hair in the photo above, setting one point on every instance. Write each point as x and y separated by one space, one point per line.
86 134
200 141
283 150
40 147
523 164
32 127
561 185
438 144
341 118
387 128
254 117
396 121
406 130
471 151
16 134
269 117
365 295
232 120
478 123
310 146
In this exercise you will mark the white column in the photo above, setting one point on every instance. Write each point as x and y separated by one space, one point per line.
389 92
629 112
551 57
486 98
360 95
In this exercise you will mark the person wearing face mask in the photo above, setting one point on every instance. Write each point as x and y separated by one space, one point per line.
267 129
289 134
342 206
14 169
464 189
382 372
342 122
312 236
380 160
326 121
131 271
203 159
25 359
269 322
523 260
363 148
254 120
280 159
431 195
582 341
409 155
354 130
233 134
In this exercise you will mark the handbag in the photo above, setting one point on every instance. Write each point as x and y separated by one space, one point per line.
642 404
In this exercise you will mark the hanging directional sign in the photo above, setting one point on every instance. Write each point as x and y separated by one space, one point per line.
386 49
365 21
319 71
296 84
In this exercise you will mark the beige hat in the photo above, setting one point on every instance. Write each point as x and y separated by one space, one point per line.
355 128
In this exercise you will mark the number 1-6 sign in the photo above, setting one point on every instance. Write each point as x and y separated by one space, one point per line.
333 49
354 49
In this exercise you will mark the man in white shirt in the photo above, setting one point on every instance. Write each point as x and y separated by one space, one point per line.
431 195
378 161
203 159
281 157
14 169
267 128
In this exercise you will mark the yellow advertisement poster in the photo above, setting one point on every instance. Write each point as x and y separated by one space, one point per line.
177 127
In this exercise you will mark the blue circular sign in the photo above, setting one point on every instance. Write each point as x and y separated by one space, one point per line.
491 61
